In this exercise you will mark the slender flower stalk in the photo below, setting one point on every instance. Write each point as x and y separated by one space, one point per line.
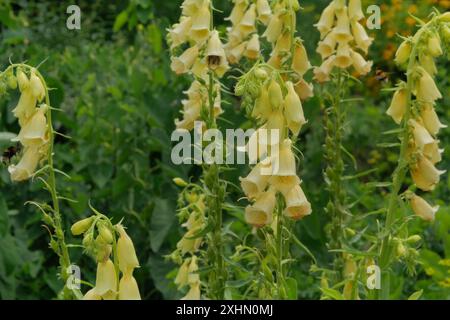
412 108
272 94
343 43
37 137
206 60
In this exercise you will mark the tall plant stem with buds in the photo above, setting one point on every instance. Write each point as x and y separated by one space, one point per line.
334 127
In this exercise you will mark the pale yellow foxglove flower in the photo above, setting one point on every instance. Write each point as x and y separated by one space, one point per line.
190 7
125 251
430 119
283 163
398 105
274 29
200 68
275 94
200 24
26 167
304 90
363 41
22 80
434 46
293 110
427 62
257 144
342 29
128 288
235 54
432 152
327 46
343 59
297 206
195 91
360 64
26 106
215 52
355 10
260 213
421 136
326 20
248 23
252 50
275 124
322 73
238 12
283 43
264 11
403 53
106 280
81 226
425 174
255 183
34 132
426 89
422 208
193 293
37 86
186 244
183 63
92 295
180 31
275 60
300 62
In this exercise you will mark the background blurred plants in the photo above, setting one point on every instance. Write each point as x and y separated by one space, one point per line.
119 96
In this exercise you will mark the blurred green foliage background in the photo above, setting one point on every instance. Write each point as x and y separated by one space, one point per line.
119 98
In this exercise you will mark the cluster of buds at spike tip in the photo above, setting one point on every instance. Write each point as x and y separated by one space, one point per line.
417 54
243 38
279 111
343 37
31 113
192 218
99 241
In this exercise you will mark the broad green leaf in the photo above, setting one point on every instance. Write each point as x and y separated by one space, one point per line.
161 221
416 295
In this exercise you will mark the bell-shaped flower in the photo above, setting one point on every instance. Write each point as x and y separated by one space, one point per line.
297 206
432 152
283 43
188 243
360 64
257 144
275 127
304 89
322 73
180 31
215 53
300 62
363 41
260 213
275 94
421 136
37 87
26 106
354 10
293 110
128 288
398 105
264 11
235 54
403 53
22 80
274 29
92 295
238 12
35 130
252 50
425 175
256 182
200 24
262 108
343 59
327 46
422 208
427 62
193 293
106 280
248 23
426 89
342 29
434 46
430 119
283 162
26 166
326 20
183 63
125 251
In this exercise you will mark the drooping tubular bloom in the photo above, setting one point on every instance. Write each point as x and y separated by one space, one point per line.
422 208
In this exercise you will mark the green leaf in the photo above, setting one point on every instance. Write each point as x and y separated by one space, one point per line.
416 295
332 294
5 138
4 220
291 288
161 221
121 19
